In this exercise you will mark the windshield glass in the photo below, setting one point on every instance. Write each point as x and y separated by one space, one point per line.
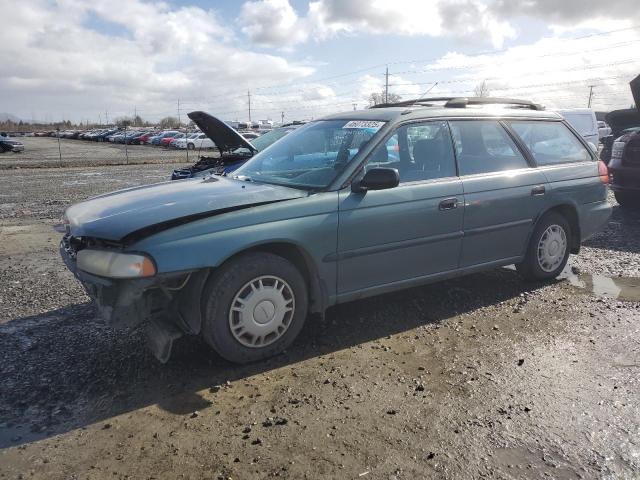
311 156
263 141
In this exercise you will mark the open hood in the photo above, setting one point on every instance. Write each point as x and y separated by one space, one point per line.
225 137
618 120
635 91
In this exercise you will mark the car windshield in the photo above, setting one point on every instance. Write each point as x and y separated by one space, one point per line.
312 156
263 141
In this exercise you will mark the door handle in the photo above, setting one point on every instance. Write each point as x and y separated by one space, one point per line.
448 204
538 190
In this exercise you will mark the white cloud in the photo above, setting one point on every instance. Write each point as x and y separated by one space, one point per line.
567 12
55 65
275 23
553 71
272 23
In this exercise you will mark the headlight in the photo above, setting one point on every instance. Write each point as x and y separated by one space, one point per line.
115 265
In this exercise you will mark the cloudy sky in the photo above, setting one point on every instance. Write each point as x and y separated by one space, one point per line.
88 60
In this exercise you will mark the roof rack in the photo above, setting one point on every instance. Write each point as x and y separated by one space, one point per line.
463 102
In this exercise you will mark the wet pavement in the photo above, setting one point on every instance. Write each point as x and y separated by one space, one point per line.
483 376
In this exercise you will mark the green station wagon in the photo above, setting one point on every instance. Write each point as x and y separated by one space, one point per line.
348 206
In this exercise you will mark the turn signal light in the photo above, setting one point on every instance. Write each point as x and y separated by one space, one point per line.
603 172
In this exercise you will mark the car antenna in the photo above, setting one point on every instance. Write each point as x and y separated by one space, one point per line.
421 97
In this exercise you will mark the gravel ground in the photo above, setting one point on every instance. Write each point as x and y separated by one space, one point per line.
483 376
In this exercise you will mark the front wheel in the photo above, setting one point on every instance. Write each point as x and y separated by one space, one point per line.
254 307
548 249
191 146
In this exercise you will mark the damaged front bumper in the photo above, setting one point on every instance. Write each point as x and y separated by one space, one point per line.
168 304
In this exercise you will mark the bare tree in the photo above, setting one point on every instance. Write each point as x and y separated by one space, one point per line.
169 122
376 98
482 89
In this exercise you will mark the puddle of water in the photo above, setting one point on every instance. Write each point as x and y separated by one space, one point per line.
620 288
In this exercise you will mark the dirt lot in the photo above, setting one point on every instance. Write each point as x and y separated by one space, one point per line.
485 376
44 152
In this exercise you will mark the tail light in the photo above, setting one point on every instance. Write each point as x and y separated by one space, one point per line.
603 172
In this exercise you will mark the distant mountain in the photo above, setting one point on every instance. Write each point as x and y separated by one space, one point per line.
4 117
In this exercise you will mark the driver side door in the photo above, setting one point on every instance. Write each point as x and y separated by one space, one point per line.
402 236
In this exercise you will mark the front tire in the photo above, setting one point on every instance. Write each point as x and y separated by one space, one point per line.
191 146
548 249
254 307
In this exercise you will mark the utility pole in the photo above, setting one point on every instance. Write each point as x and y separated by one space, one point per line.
106 116
100 119
281 118
249 100
386 85
590 95
354 106
179 122
135 114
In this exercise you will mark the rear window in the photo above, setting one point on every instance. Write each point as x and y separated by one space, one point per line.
551 142
483 146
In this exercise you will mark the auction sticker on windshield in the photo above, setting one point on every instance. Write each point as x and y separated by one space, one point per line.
368 124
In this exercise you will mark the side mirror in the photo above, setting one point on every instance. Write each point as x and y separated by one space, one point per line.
377 179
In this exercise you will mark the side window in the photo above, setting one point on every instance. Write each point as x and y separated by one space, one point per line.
420 151
386 155
551 142
484 146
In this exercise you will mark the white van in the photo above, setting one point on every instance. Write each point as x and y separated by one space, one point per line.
584 121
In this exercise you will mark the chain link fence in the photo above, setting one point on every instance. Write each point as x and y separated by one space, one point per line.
54 151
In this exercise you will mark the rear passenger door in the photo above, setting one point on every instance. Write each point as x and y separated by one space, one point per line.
568 165
503 192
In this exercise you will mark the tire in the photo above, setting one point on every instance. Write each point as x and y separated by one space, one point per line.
626 199
547 263
191 146
238 335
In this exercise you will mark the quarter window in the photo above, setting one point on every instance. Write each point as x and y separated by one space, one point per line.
551 142
420 151
483 146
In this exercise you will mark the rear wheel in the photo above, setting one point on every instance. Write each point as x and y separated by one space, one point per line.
254 307
548 249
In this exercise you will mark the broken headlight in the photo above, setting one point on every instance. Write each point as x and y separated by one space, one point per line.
109 264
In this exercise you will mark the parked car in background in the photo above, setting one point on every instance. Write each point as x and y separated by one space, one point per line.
8 144
165 134
233 147
181 143
584 121
135 139
604 130
324 216
621 122
166 141
622 153
200 142
147 136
